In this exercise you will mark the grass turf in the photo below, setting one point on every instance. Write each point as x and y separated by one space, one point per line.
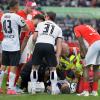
46 97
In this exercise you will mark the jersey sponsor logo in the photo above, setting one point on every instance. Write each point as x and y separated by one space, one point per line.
7 16
9 36
23 22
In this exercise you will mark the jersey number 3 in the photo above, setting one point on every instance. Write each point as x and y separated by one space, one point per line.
49 28
7 26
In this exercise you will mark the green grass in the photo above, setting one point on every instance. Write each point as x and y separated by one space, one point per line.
46 97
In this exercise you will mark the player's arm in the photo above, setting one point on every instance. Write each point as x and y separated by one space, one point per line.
35 35
21 22
25 28
24 43
83 48
59 45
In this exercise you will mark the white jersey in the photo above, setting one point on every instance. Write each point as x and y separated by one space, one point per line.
48 32
11 25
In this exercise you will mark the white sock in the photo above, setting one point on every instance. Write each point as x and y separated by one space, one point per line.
34 76
12 77
53 76
1 77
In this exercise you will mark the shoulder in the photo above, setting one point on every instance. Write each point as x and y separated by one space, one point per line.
58 27
41 23
20 12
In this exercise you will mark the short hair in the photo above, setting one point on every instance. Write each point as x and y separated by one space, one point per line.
12 3
66 90
52 15
39 16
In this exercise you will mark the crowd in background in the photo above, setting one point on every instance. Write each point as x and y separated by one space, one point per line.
68 23
63 3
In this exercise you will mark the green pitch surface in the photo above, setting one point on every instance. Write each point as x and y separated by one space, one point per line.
46 97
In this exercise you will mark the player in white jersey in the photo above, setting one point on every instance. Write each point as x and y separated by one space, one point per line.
47 34
11 26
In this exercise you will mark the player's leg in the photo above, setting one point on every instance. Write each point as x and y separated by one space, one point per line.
34 73
36 61
91 57
52 63
5 62
2 71
95 81
96 69
92 53
14 61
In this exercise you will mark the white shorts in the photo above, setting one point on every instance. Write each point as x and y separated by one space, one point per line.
93 54
28 50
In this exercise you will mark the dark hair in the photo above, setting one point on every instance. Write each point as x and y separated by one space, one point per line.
51 15
39 16
12 3
66 90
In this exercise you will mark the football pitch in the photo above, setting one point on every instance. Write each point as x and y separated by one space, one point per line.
46 97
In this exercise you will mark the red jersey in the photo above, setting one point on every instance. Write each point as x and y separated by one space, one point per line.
30 32
87 33
1 33
22 14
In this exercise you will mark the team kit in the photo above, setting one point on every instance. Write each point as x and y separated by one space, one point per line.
36 59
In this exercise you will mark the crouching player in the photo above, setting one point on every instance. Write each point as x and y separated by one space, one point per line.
86 35
47 33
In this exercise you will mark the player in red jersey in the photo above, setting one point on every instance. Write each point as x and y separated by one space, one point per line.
27 10
89 41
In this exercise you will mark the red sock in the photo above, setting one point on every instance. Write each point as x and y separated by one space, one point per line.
95 86
18 70
86 86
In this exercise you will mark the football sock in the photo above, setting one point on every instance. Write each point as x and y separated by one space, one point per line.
34 76
12 77
53 76
1 77
86 86
95 86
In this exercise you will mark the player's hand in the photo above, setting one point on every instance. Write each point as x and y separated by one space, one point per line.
82 55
